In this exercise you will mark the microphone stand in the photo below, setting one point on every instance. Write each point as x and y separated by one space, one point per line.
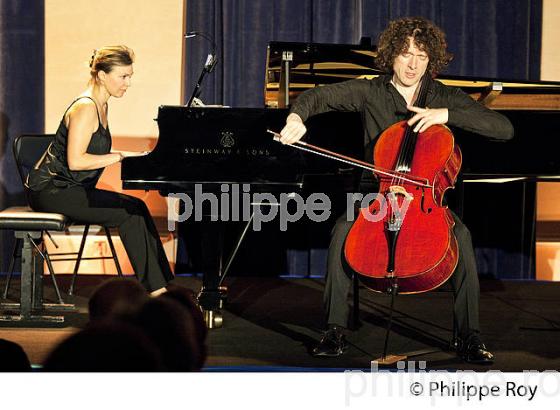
209 66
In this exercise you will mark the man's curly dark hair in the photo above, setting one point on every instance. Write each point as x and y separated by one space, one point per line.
427 37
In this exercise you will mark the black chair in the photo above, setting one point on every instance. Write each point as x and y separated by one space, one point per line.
28 149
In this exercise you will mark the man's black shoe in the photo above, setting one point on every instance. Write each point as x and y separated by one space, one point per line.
474 351
332 344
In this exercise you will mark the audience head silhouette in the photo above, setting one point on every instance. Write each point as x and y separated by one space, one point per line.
188 300
171 327
109 346
12 357
129 331
116 297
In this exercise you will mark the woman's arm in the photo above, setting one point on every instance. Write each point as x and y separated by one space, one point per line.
82 123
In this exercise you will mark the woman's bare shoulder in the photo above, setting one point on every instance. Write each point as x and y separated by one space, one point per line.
83 111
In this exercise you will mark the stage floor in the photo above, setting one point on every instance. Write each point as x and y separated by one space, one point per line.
270 323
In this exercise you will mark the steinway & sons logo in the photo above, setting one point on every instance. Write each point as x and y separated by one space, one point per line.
227 140
227 147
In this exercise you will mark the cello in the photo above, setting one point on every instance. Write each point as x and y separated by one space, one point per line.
404 241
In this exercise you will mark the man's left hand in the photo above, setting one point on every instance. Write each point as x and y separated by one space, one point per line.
426 117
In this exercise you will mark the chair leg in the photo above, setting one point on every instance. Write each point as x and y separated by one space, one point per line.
15 255
78 260
113 252
53 277
46 258
50 267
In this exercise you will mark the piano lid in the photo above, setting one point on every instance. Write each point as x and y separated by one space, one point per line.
312 64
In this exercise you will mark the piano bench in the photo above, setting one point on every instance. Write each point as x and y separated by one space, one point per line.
28 227
23 218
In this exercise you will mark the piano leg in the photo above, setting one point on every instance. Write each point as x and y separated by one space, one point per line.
212 295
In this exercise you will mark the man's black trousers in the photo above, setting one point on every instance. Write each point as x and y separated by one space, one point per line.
464 280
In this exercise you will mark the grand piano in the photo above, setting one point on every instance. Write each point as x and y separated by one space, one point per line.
204 148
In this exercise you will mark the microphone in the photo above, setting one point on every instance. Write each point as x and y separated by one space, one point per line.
209 65
211 59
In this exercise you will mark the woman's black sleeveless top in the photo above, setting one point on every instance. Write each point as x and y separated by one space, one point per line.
52 169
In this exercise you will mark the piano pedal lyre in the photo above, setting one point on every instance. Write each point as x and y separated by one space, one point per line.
213 319
211 303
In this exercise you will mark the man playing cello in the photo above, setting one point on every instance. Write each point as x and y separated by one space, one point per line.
407 49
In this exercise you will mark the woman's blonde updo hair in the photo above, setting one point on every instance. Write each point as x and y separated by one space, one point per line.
105 58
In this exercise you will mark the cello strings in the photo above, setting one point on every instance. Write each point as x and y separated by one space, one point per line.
411 137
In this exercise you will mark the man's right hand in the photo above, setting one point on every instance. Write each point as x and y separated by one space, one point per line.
294 129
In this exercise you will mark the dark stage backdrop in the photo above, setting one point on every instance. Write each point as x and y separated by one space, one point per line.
22 98
489 38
